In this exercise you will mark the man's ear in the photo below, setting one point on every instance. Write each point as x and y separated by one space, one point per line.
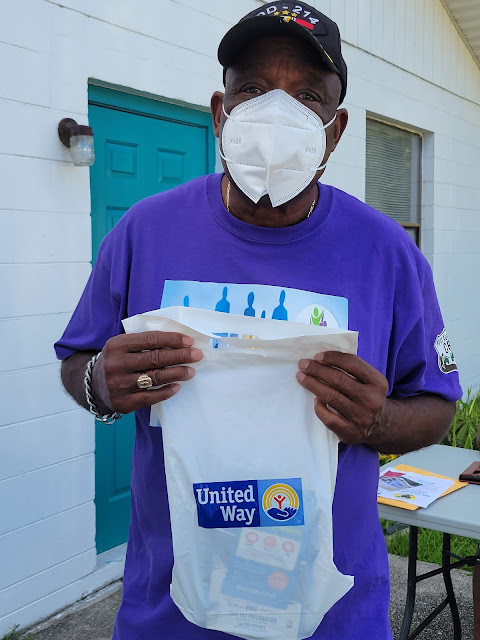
216 108
340 126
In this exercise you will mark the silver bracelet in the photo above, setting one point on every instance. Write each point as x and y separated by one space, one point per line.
107 418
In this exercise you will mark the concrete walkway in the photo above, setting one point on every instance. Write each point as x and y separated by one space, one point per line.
92 619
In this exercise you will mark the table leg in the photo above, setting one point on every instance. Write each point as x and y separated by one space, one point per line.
447 578
411 583
476 599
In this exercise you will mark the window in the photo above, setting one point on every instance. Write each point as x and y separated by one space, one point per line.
393 174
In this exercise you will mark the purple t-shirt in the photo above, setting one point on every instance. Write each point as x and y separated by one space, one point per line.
346 266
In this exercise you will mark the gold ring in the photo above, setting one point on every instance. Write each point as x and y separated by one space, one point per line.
144 381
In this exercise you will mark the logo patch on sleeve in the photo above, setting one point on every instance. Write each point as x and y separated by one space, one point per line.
446 359
249 503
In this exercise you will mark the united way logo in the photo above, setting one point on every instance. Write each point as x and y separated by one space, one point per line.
249 503
280 502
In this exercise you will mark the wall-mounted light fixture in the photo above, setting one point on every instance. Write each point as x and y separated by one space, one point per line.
79 139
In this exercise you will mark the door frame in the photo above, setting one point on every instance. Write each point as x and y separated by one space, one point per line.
147 105
122 99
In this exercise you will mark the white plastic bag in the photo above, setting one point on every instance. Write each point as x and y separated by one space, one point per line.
251 476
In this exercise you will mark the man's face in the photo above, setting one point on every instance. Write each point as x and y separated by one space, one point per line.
278 62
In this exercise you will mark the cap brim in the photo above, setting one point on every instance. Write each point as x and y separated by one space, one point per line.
239 36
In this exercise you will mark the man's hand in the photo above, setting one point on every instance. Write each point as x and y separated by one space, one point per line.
350 399
161 355
351 387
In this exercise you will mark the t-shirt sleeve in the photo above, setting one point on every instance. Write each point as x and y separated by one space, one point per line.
97 316
421 358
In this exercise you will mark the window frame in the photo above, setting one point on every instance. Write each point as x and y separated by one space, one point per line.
417 226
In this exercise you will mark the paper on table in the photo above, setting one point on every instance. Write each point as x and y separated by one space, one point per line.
411 505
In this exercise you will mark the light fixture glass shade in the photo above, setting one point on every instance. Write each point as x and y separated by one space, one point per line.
83 152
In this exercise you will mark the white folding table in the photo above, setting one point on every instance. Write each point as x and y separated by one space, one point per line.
456 513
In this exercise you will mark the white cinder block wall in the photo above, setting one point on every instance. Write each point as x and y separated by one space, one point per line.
407 64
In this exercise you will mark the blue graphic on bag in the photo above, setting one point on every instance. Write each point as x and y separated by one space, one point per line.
249 503
259 583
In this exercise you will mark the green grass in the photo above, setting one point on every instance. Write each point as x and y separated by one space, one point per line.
463 431
429 544
14 634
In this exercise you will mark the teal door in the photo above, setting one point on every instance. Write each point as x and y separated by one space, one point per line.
142 146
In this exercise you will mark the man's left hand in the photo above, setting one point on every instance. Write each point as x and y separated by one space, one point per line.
350 394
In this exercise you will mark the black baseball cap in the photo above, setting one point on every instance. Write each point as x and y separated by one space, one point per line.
293 19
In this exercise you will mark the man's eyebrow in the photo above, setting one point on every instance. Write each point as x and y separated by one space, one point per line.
313 78
317 79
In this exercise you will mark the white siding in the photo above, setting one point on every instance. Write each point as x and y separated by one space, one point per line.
407 65
416 36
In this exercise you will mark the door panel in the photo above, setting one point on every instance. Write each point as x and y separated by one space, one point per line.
142 147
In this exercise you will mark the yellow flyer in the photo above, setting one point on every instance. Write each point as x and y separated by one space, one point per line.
405 487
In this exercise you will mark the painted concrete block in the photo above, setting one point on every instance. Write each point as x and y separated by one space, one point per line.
428 211
72 23
92 578
456 197
32 131
68 92
32 33
46 543
37 587
350 151
469 376
45 396
52 186
26 77
28 341
458 242
69 435
162 23
456 173
356 119
29 289
31 237
444 146
426 243
228 12
46 492
451 286
349 179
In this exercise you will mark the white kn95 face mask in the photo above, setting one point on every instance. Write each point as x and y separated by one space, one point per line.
273 145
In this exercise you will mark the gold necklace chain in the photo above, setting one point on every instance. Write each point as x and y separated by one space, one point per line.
227 204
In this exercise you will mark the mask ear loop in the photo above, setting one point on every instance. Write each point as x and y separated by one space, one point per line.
325 127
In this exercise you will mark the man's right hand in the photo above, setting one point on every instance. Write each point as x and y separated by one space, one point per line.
161 355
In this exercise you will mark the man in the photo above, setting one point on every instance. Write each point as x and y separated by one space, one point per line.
267 227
